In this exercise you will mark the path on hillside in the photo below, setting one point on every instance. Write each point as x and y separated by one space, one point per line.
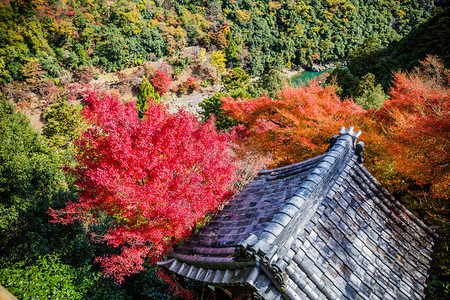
190 102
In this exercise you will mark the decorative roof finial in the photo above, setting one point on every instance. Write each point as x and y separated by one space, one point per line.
350 132
358 146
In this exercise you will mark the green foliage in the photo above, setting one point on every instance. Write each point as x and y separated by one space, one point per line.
13 47
257 36
111 52
372 98
64 124
236 79
196 26
179 63
270 83
212 107
29 168
47 278
40 259
231 51
437 288
146 93
365 91
430 37
144 45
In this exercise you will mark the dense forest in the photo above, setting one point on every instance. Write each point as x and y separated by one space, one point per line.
256 35
87 202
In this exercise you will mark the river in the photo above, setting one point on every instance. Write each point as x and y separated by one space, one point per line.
305 77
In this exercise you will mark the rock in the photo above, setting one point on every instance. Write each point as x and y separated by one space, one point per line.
326 65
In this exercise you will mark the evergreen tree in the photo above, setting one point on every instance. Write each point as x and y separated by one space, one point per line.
146 92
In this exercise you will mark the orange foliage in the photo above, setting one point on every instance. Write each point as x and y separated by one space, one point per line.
417 123
297 125
407 140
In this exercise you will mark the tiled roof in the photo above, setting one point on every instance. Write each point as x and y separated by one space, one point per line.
320 229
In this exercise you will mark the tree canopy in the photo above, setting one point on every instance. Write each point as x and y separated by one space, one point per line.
152 180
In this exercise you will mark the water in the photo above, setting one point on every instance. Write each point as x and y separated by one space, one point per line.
305 77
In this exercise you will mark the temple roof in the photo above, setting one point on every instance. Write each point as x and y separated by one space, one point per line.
322 228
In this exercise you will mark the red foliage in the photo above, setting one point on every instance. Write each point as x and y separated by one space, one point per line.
161 82
175 289
189 86
76 91
297 125
153 179
407 140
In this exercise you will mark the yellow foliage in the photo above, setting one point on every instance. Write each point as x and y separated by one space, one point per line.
35 36
195 22
347 8
218 60
131 16
401 14
202 55
63 27
302 7
243 15
37 2
87 32
274 5
225 30
328 14
335 2
142 4
152 23
299 30
89 17
226 11
315 29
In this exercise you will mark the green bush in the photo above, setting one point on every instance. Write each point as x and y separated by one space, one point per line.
179 63
146 93
372 99
270 83
212 107
47 278
111 52
236 79
64 124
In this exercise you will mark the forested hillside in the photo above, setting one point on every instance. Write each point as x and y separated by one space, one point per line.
377 63
256 35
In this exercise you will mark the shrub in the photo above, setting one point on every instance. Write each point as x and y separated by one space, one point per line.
146 93
48 278
161 82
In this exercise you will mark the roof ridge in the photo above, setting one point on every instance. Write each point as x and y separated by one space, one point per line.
296 213
305 162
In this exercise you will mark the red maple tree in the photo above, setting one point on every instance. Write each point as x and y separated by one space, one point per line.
152 179
161 82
